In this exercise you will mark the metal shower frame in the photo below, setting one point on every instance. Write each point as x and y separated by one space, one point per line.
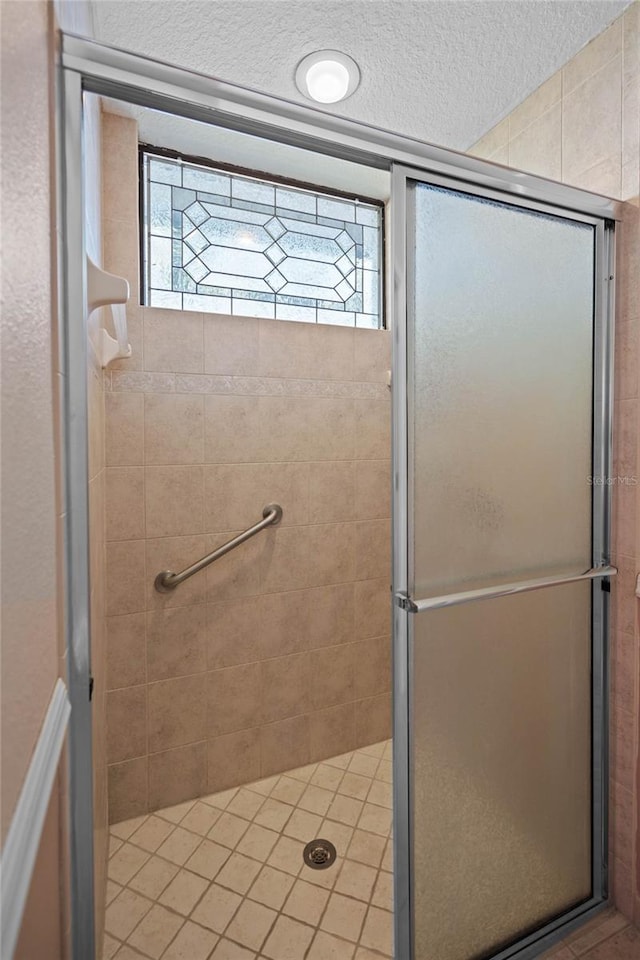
89 67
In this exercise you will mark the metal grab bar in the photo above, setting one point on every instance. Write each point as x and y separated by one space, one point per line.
166 581
506 590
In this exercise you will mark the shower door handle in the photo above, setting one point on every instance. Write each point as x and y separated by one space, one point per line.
504 590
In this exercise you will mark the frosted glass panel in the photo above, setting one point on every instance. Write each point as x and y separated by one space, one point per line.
501 766
503 372
500 333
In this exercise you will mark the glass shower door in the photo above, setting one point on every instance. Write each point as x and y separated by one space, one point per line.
500 564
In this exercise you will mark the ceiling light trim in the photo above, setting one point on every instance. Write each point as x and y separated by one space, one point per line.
337 83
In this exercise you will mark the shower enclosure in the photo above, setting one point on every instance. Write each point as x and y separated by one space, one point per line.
501 317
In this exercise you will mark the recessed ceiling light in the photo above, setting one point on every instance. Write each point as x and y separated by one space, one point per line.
327 76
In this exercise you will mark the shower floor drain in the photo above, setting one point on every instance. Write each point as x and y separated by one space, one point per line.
319 854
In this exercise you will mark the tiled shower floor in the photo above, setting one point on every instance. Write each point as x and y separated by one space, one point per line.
222 877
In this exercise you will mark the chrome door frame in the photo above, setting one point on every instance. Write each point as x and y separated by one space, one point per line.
75 489
89 67
602 398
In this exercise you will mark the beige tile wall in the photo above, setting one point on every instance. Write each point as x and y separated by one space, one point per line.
279 654
583 126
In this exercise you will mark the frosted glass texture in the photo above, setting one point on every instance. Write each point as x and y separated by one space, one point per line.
502 338
500 353
501 768
221 242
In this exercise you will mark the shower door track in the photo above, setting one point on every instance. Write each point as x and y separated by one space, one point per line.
89 67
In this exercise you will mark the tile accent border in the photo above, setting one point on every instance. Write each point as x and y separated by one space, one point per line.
23 839
139 382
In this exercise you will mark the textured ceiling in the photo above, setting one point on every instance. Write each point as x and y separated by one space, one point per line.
441 70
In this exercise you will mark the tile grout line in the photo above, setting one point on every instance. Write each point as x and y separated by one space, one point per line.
248 663
270 723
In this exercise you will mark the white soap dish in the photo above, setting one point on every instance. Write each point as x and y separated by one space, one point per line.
105 289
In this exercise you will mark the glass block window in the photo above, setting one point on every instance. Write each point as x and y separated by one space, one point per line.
229 243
